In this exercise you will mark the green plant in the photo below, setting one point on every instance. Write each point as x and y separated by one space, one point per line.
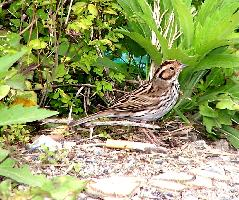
14 133
47 156
207 45
12 81
38 185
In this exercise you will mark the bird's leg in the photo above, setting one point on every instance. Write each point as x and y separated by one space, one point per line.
150 135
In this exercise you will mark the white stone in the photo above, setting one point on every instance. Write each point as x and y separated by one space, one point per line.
213 172
113 187
168 185
46 141
175 176
201 181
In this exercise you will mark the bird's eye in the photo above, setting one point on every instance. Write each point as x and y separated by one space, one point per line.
171 68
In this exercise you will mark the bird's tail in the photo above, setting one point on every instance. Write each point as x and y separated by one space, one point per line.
88 118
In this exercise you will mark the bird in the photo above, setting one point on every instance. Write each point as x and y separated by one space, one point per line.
151 101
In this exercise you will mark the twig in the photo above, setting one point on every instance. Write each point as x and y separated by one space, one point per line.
29 26
122 123
68 14
56 121
104 123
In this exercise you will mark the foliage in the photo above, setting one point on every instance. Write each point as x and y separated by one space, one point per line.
207 45
18 114
11 83
77 54
40 186
15 133
68 45
21 175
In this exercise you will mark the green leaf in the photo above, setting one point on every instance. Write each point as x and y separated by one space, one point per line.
5 189
224 117
209 123
217 26
106 62
79 7
232 135
186 21
141 10
21 175
4 90
207 7
63 187
63 48
207 111
19 114
155 55
3 154
227 103
218 60
37 44
93 9
60 71
17 82
215 78
7 61
14 39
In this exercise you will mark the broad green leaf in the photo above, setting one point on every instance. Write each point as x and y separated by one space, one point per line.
217 27
227 103
215 78
14 39
232 135
209 123
59 71
21 175
141 10
64 187
37 44
3 154
92 9
224 117
219 60
7 61
146 44
207 111
17 82
106 62
6 189
19 114
63 48
130 8
79 7
186 21
207 7
179 54
4 90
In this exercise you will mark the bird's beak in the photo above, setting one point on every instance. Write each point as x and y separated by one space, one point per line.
183 66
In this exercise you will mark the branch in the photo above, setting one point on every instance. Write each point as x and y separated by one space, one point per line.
122 123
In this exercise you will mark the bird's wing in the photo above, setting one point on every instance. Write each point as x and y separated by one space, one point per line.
136 101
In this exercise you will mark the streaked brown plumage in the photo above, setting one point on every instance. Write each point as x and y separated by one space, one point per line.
148 103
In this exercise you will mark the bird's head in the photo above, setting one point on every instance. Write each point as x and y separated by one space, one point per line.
169 70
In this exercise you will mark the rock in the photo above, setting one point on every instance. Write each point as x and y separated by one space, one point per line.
113 187
168 185
214 172
200 181
175 176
